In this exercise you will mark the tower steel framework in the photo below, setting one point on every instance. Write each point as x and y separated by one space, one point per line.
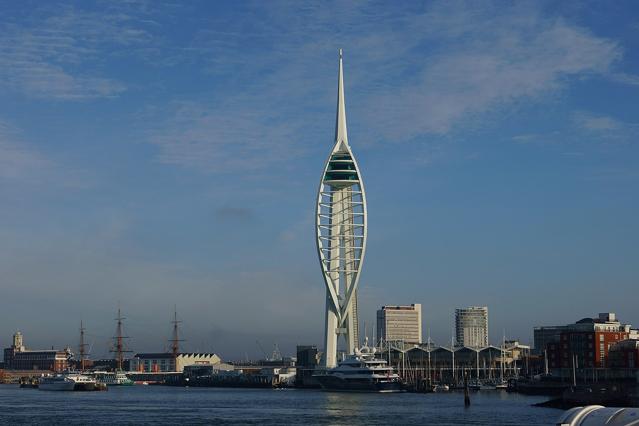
341 235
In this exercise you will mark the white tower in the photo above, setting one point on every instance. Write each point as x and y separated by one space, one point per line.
341 235
17 342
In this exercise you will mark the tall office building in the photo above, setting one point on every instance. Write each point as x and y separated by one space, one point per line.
400 323
471 326
340 225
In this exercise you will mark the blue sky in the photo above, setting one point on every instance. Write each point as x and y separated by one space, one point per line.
158 153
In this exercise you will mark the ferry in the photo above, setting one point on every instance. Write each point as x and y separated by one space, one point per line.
116 378
66 382
361 372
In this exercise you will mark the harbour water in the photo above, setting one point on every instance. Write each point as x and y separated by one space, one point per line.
135 405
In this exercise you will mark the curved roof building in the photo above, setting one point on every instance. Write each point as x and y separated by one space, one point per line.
341 235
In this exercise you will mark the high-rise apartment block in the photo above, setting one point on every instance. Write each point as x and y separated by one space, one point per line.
471 326
400 323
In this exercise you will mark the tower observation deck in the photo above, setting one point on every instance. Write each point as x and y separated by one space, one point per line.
341 235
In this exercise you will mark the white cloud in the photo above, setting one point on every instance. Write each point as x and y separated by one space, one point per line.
408 75
55 53
492 68
625 78
593 122
604 127
223 139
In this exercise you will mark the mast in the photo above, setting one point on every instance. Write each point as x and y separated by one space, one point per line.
175 341
503 346
119 349
82 347
430 377
452 351
545 362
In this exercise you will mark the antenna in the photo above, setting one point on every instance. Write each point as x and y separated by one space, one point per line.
83 346
175 341
118 342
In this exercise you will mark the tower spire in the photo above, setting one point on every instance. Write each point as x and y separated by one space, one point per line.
341 134
341 235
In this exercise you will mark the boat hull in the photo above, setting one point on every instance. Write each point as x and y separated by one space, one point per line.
337 384
61 386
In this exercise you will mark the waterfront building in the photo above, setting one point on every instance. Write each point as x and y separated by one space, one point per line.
443 363
516 349
18 357
624 354
340 226
471 326
587 342
307 356
400 323
542 336
308 359
168 362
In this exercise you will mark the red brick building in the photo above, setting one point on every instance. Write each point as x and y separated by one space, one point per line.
17 357
587 342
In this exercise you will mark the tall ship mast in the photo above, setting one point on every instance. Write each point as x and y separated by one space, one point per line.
118 342
341 228
175 340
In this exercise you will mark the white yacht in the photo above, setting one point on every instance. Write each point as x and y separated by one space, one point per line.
65 382
361 372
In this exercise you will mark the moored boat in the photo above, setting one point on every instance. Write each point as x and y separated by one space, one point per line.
66 382
28 382
113 378
361 372
501 385
441 388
